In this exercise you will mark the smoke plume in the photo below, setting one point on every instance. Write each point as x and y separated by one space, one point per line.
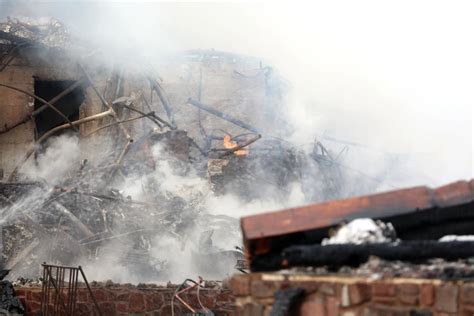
387 86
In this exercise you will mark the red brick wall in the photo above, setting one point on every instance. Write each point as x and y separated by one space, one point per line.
355 296
126 300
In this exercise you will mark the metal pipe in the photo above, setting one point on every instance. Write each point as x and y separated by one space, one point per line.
232 150
52 132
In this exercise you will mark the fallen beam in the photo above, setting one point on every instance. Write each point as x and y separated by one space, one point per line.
51 132
44 106
232 150
223 116
73 218
339 255
115 123
104 102
59 96
45 103
164 101
151 115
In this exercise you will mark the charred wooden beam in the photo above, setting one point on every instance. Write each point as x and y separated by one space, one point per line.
151 115
338 255
61 95
48 134
105 103
73 218
164 100
232 150
25 252
116 123
223 116
409 210
45 103
44 106
128 138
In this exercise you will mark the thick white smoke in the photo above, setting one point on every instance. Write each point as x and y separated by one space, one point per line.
394 77
391 81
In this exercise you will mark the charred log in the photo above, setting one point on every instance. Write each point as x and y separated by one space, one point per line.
223 116
338 255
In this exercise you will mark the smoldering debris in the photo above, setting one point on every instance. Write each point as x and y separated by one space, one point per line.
123 185
80 219
45 31
8 302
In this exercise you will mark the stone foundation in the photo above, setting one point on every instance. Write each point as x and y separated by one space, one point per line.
146 300
351 296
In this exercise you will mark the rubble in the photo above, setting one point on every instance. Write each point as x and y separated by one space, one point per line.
44 31
133 130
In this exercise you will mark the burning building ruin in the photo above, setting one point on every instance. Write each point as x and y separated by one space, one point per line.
115 164
133 170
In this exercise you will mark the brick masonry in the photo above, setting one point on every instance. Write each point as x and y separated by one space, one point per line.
146 300
353 296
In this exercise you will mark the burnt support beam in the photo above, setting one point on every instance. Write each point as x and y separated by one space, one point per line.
44 106
232 150
164 100
45 103
51 132
66 91
338 255
223 116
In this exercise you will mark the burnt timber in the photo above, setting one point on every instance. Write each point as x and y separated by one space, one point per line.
418 213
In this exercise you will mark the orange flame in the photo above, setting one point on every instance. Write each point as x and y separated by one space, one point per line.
229 144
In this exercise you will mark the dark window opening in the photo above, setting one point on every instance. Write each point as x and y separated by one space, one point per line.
68 105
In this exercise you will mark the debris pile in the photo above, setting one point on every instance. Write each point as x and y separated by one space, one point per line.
45 31
117 168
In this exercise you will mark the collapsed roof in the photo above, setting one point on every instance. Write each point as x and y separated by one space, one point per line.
107 161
